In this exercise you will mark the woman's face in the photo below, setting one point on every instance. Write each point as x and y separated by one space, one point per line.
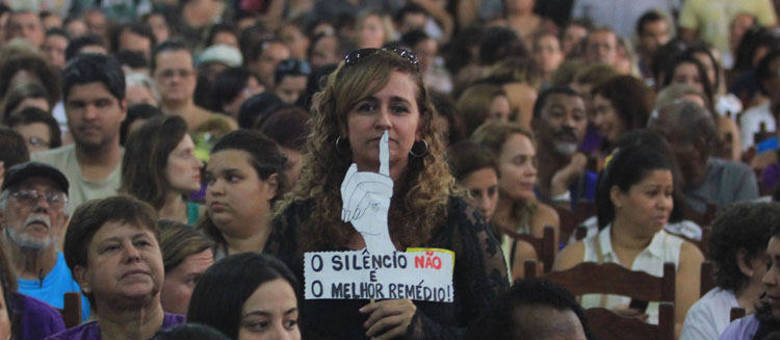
393 108
372 33
159 27
236 198
771 279
688 74
251 88
296 41
499 109
648 203
36 135
705 61
124 263
572 36
606 119
5 321
517 168
483 186
547 53
181 280
183 169
271 312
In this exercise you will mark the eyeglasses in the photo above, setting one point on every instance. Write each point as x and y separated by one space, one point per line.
294 67
31 197
37 142
354 57
170 73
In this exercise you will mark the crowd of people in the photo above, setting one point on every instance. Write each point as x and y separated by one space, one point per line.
173 161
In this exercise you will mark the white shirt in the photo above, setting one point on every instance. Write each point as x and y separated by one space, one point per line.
750 123
664 247
709 316
686 228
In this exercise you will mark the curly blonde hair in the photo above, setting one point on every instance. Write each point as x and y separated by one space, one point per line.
420 200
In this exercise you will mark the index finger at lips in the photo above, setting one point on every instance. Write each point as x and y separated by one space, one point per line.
384 154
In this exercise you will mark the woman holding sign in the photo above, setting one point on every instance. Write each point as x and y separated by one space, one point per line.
375 179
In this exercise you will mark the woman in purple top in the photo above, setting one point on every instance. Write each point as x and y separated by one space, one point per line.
112 249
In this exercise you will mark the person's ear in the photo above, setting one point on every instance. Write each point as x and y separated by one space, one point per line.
80 275
272 185
744 264
616 196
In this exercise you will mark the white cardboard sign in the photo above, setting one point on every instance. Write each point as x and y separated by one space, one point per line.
378 271
418 274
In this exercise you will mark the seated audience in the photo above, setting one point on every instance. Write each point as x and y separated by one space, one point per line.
620 104
141 90
137 115
32 230
737 244
187 253
290 79
173 70
559 124
481 103
706 179
259 304
514 150
634 202
677 224
92 163
232 87
29 94
160 168
112 248
245 176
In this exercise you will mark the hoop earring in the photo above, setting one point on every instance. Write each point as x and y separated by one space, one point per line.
342 145
422 153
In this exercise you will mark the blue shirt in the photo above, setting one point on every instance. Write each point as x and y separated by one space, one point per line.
53 287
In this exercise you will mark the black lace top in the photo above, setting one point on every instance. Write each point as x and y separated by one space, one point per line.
479 276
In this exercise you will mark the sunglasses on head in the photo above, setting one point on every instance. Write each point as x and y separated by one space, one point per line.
352 58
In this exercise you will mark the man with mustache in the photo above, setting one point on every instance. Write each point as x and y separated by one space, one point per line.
94 97
559 124
33 213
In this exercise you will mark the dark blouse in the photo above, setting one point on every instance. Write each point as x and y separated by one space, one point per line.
479 276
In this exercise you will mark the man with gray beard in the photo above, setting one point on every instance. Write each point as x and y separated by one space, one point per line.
33 214
559 123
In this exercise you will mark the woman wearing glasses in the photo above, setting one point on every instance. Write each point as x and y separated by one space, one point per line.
370 93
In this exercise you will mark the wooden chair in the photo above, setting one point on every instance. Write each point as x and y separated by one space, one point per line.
707 280
702 219
71 314
611 278
608 325
571 219
736 313
545 246
701 244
